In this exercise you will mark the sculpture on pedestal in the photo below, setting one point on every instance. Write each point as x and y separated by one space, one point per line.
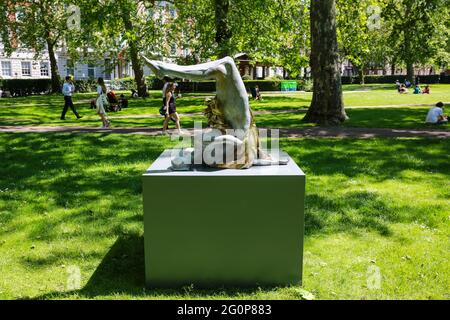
228 112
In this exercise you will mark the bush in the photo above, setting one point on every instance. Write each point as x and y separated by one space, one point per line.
154 83
305 85
203 86
85 85
264 85
273 78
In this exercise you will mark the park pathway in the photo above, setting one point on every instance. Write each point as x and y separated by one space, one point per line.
322 132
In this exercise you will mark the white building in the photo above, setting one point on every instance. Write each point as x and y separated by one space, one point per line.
23 64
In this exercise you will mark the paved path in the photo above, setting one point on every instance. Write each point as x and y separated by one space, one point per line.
325 132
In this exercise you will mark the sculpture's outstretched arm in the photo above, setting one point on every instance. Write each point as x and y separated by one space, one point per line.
206 71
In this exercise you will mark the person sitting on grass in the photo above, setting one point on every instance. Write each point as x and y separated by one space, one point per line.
258 93
417 90
403 89
436 115
426 90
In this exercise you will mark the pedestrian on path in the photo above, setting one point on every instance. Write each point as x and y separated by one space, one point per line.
67 90
170 109
102 102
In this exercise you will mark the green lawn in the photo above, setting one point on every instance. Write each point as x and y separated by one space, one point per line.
398 118
69 201
45 110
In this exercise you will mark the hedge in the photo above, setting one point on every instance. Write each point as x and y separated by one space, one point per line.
24 87
21 87
429 79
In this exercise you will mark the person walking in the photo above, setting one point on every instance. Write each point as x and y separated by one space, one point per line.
170 109
101 102
67 90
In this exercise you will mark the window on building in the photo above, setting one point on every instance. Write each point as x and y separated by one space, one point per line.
45 70
91 70
70 69
6 68
26 68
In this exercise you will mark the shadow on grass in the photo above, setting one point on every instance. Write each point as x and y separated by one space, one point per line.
122 271
76 172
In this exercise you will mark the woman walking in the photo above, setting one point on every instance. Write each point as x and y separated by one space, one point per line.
170 109
102 101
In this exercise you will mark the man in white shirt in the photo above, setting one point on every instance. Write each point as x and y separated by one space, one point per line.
67 90
436 115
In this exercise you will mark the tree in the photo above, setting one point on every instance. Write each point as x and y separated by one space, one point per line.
115 28
361 35
223 30
40 24
327 106
269 31
414 26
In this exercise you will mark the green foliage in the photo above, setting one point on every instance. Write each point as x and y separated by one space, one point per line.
418 30
85 85
264 85
38 22
273 78
268 31
305 85
361 40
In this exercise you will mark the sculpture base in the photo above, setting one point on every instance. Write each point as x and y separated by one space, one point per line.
211 228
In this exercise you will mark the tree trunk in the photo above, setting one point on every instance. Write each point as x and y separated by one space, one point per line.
410 72
223 32
362 78
56 81
327 106
134 56
138 71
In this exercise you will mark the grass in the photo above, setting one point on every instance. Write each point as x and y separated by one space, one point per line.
67 200
397 118
45 110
